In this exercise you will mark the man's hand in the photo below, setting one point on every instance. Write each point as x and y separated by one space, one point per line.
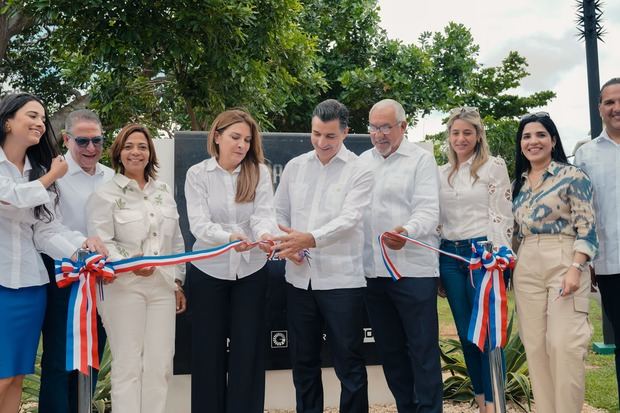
292 243
95 244
392 241
244 245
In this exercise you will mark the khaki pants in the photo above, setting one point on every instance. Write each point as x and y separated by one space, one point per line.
555 331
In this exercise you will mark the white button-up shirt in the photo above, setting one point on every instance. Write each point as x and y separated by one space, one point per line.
133 221
476 209
600 159
328 201
406 194
214 215
23 235
75 188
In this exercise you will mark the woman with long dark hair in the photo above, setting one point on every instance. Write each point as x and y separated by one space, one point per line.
30 163
552 204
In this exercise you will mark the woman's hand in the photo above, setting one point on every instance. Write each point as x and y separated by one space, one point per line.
243 246
180 298
145 272
266 246
570 282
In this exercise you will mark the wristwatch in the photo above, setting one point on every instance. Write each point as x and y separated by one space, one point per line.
579 266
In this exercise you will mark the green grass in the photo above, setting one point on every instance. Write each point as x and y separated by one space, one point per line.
601 388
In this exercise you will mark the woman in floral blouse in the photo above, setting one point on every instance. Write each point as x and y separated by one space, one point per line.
136 215
476 206
552 204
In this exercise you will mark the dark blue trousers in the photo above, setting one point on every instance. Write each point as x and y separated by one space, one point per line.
234 381
609 286
403 316
58 391
341 312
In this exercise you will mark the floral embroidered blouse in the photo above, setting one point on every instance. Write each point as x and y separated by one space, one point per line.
133 221
560 203
472 208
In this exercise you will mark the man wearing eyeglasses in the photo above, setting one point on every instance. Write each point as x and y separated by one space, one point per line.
84 139
600 159
403 314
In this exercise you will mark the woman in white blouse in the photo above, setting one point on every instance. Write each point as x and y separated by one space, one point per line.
135 214
230 197
475 203
29 166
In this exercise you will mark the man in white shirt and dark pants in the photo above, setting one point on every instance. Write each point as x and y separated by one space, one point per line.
600 159
403 314
84 139
319 204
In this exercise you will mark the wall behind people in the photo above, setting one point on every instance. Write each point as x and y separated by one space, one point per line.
279 149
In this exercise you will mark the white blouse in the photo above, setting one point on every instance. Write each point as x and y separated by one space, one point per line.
23 236
475 209
214 215
133 221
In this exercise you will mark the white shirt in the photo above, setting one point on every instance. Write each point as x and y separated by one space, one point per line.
75 188
406 194
133 221
328 201
23 236
214 215
600 159
476 209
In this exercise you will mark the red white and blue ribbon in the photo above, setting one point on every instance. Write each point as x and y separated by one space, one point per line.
489 315
83 277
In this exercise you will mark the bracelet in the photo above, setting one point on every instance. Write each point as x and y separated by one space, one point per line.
579 266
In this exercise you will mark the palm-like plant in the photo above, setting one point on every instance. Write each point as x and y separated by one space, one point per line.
458 385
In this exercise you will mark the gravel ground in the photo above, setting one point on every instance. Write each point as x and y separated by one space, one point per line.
448 407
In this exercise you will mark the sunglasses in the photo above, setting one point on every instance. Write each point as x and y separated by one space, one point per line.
464 109
535 115
83 142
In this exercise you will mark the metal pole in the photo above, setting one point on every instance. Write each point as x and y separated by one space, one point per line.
590 20
84 381
495 361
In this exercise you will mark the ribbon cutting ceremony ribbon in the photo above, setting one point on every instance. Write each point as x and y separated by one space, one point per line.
490 311
84 277
489 314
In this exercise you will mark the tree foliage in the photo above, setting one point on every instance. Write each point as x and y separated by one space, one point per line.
175 64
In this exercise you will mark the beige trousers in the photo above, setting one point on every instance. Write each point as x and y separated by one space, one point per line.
139 315
555 331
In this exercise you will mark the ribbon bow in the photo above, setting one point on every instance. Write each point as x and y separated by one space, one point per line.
489 314
84 278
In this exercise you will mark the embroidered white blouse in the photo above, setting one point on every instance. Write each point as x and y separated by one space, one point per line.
133 221
476 208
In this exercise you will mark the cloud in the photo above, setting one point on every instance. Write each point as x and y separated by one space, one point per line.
548 57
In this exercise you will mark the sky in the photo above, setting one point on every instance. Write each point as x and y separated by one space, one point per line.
544 32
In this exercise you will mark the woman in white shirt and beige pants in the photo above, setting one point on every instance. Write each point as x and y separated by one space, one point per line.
136 215
230 197
475 204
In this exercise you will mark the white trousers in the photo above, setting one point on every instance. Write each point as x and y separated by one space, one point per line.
139 317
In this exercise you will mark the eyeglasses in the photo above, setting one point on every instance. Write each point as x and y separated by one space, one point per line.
535 115
82 142
384 129
463 110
